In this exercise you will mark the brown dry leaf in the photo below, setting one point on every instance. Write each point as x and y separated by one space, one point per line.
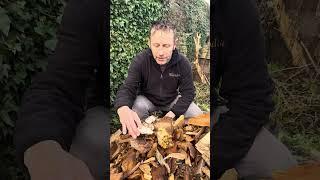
125 136
180 156
115 152
136 175
200 132
154 164
152 152
147 177
188 138
199 167
187 173
149 160
188 160
115 136
206 171
309 171
171 177
172 149
145 130
159 173
164 138
192 150
203 146
188 128
150 119
201 120
140 145
159 157
161 160
132 171
192 133
178 134
116 176
179 122
173 165
129 162
183 145
145 168
165 123
125 140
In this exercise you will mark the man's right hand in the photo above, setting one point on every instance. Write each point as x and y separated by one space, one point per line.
129 120
48 161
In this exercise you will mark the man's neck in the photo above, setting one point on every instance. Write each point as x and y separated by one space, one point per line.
163 67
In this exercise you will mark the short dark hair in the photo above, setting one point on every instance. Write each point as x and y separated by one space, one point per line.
164 26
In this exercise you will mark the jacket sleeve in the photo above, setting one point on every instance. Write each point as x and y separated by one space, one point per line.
128 91
245 82
53 104
186 88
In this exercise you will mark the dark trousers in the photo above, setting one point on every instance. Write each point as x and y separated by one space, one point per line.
90 143
266 155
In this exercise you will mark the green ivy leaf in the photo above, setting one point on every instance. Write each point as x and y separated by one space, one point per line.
4 22
6 118
51 44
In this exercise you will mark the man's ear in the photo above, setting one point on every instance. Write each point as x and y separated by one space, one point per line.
149 42
175 43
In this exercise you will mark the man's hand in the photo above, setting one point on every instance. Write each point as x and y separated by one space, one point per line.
170 114
48 161
130 121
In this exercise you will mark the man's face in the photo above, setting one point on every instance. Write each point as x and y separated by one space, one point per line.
162 44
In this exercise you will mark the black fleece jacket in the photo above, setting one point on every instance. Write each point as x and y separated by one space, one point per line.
75 79
145 77
239 65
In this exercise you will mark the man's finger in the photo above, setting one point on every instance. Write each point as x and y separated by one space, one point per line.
137 119
131 132
133 128
124 128
135 124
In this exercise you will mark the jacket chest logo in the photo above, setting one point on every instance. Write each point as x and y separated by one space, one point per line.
174 75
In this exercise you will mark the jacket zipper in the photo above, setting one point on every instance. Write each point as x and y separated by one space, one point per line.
161 77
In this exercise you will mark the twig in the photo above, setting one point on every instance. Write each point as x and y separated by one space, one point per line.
126 140
310 57
295 74
132 171
290 68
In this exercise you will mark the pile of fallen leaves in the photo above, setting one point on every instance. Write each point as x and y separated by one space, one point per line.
166 149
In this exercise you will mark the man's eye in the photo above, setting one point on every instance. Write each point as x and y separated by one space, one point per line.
156 45
166 45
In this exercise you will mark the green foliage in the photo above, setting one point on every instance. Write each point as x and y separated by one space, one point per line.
27 37
129 23
202 98
297 102
189 17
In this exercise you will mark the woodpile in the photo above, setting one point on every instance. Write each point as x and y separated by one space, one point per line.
166 149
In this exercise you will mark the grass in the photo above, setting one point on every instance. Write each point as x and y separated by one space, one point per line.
297 110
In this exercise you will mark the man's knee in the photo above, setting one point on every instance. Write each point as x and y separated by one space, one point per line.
142 106
192 111
266 155
89 143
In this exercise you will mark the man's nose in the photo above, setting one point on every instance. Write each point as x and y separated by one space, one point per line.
161 52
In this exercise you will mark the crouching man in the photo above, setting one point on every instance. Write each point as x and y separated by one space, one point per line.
159 79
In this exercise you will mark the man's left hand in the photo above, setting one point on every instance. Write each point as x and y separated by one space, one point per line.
170 114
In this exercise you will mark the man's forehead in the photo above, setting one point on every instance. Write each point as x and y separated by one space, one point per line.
162 32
